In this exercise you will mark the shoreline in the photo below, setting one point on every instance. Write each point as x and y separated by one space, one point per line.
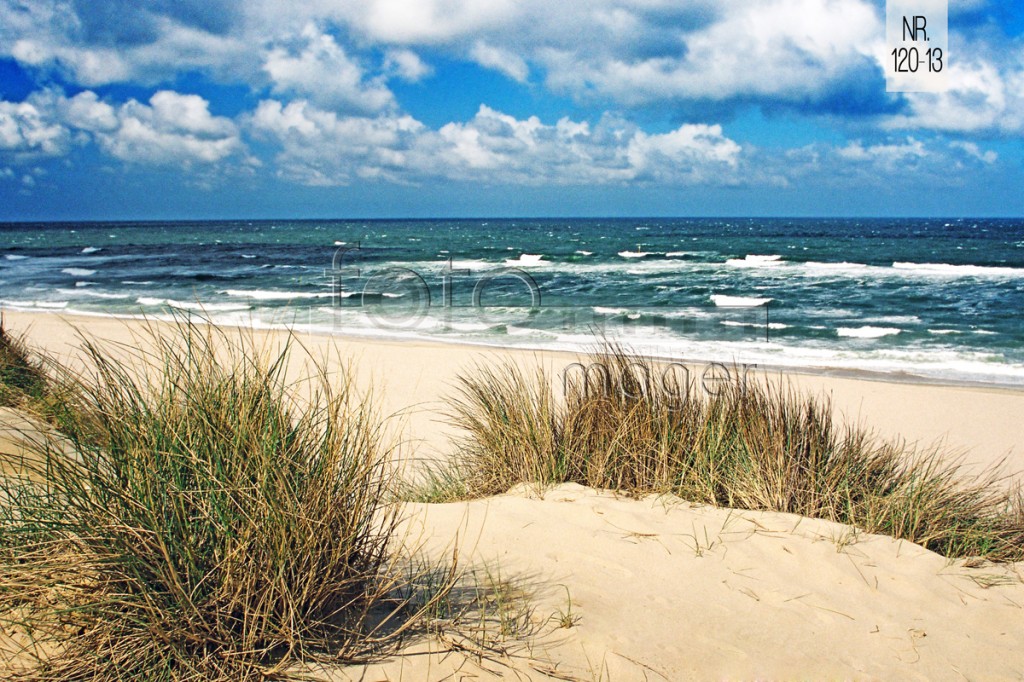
893 377
412 380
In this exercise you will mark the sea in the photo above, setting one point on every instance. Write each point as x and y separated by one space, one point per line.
931 299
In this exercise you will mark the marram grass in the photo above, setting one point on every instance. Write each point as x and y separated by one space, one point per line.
22 376
202 518
751 445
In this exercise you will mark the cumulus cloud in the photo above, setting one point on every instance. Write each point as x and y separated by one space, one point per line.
810 55
889 155
27 129
503 61
973 151
886 164
786 50
319 69
982 97
172 129
321 148
406 64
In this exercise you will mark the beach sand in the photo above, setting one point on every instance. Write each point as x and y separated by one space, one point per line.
663 589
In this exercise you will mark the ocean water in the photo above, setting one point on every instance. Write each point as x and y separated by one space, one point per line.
940 299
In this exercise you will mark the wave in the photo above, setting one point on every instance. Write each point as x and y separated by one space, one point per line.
738 301
634 254
92 294
942 332
842 267
15 256
893 319
78 272
192 305
47 305
585 253
949 270
867 332
263 295
92 249
755 261
528 260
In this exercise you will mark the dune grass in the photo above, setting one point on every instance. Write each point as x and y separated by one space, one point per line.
22 376
750 445
202 518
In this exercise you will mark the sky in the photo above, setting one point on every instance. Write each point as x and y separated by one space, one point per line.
193 109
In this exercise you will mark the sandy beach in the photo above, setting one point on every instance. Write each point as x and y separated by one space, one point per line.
662 589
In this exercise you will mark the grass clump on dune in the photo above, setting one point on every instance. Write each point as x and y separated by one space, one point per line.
749 445
22 376
204 519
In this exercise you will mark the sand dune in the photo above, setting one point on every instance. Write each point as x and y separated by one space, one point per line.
663 589
668 590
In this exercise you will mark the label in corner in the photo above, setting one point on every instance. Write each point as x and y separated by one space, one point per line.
917 40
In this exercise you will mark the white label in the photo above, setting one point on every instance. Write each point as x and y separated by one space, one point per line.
917 37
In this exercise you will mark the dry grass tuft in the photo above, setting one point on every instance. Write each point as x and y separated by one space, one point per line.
22 376
756 445
209 522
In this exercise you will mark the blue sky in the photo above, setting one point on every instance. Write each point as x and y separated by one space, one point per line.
163 109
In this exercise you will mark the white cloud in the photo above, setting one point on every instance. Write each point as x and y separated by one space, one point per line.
982 97
897 162
319 148
27 129
788 50
975 152
86 112
424 21
322 148
172 129
503 61
320 70
407 65
890 155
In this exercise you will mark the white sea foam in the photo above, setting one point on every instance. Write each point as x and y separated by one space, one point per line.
738 301
634 254
838 268
92 294
678 254
867 332
894 319
15 256
943 332
948 270
248 256
528 260
771 325
585 253
78 272
192 305
262 295
92 249
756 261
49 305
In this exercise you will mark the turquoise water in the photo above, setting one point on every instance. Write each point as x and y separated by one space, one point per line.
931 298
